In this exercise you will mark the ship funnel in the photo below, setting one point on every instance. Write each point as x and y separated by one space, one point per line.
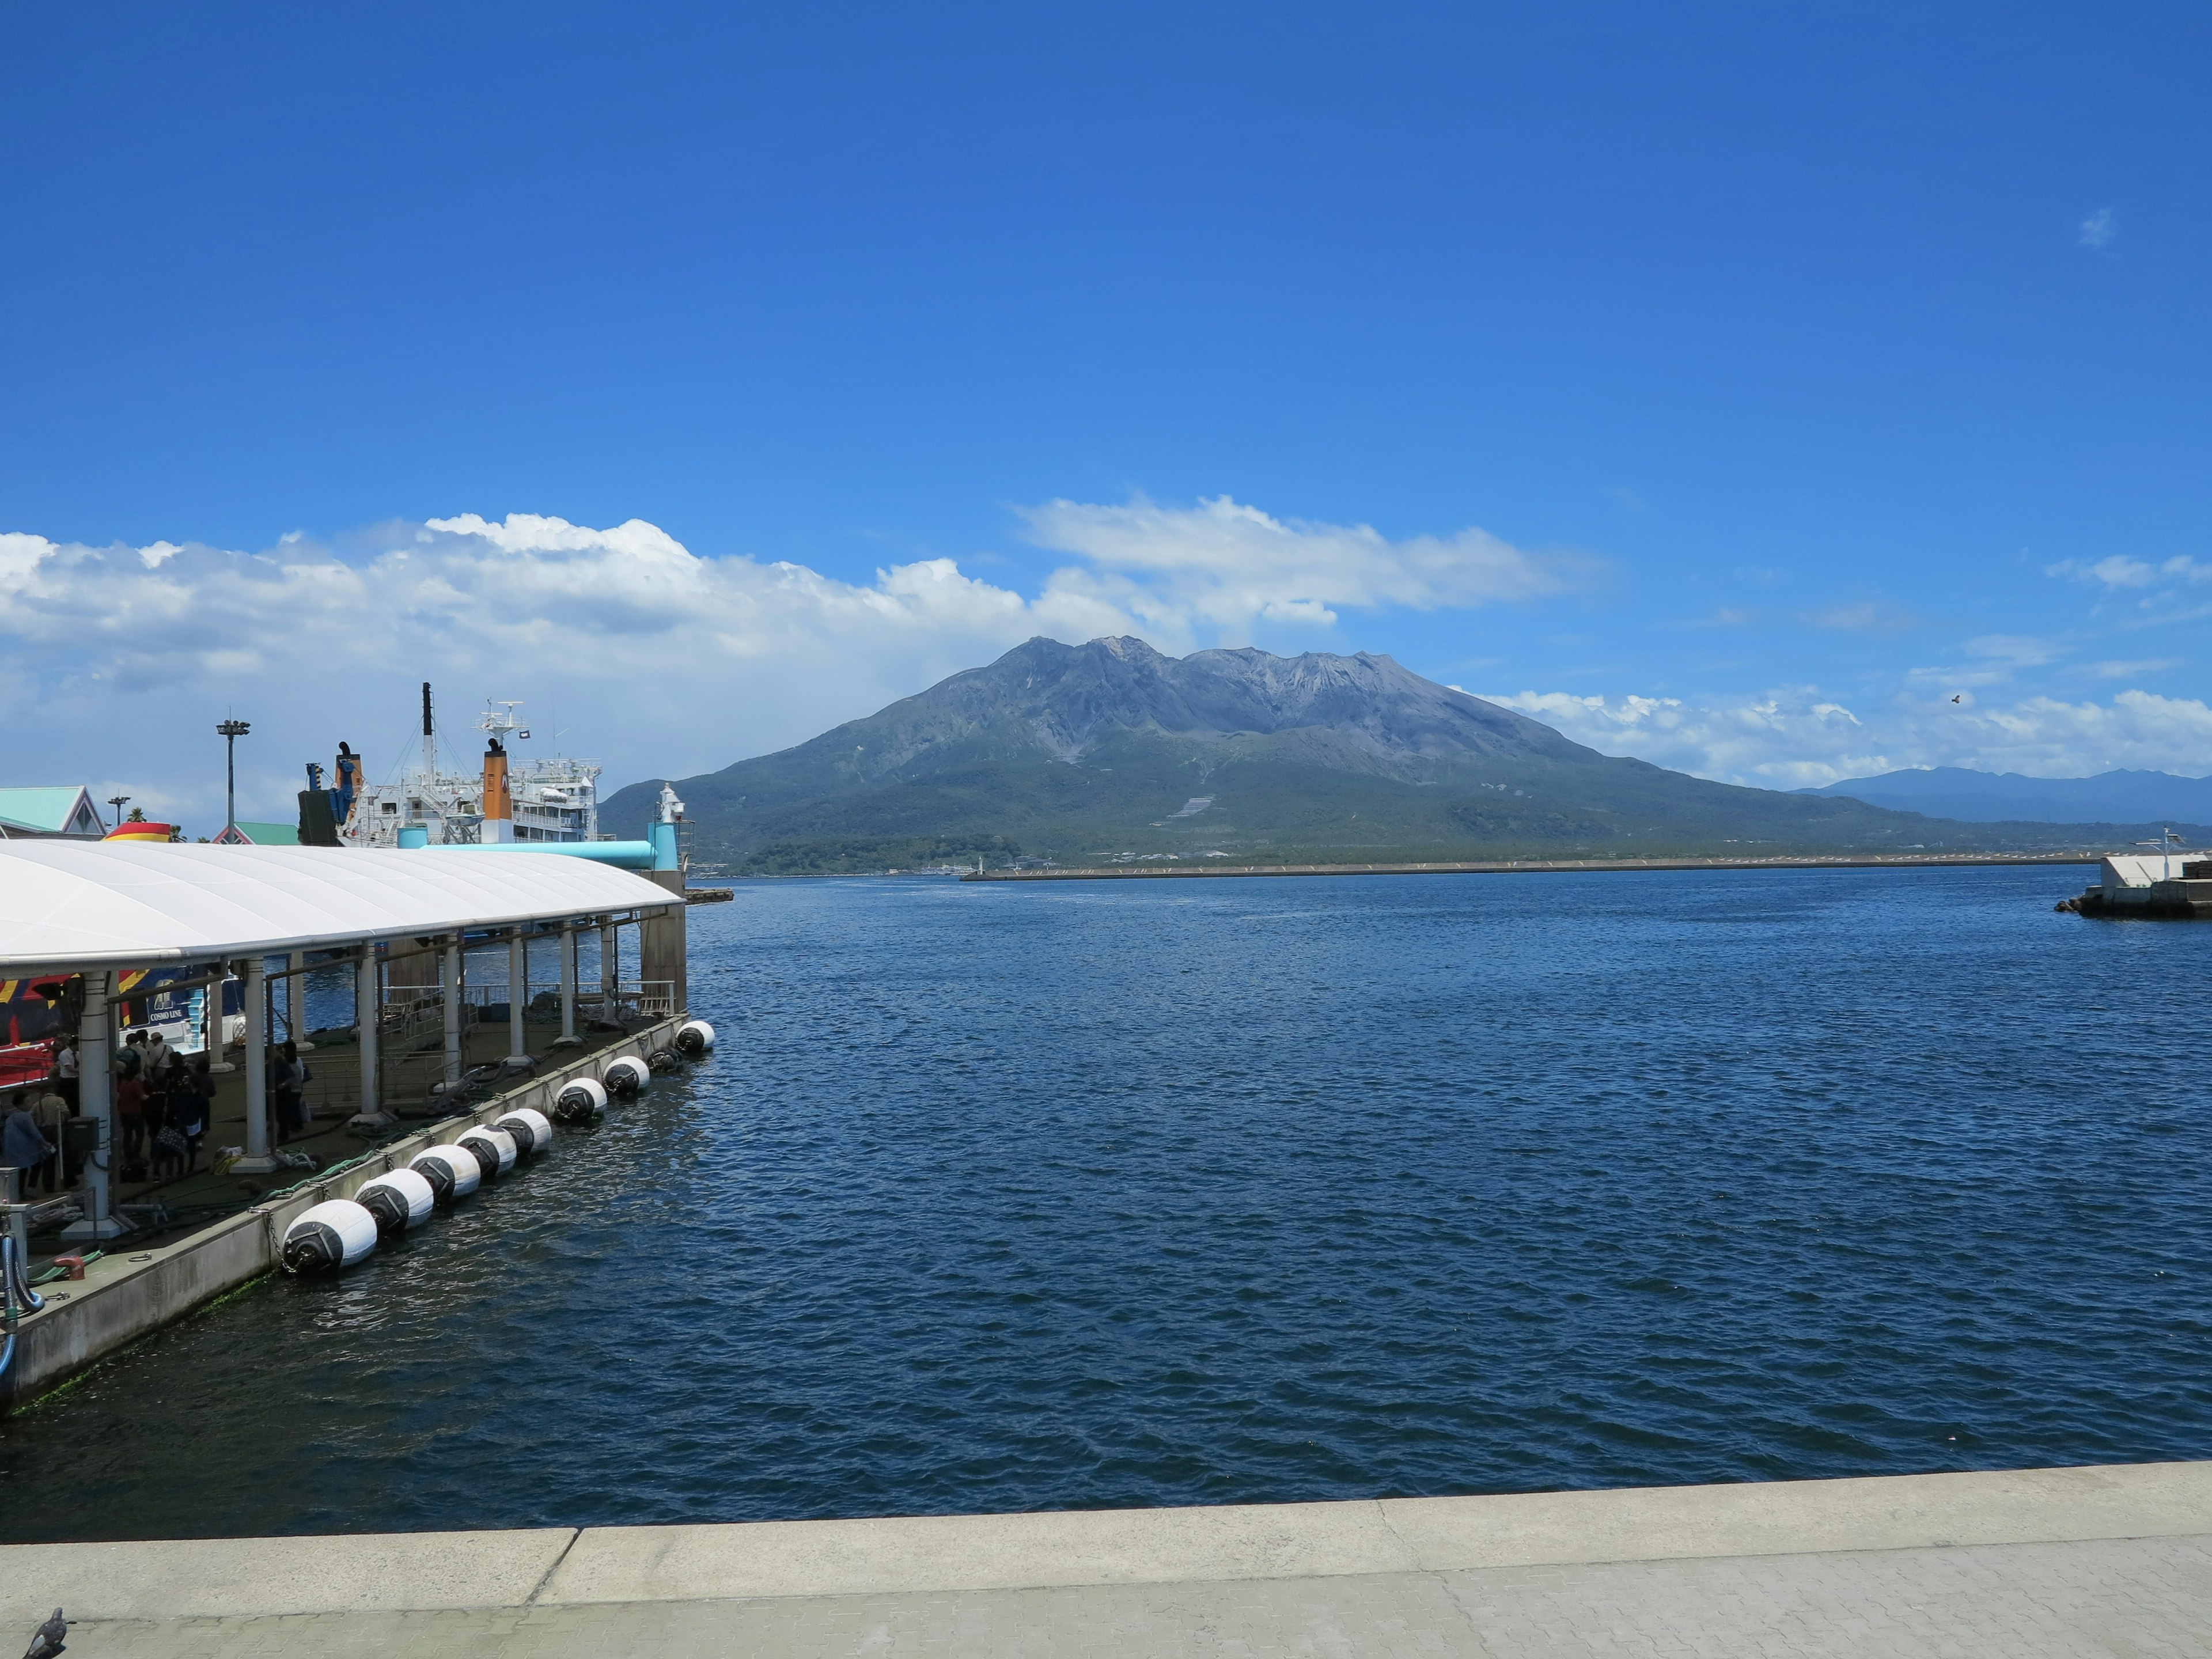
498 797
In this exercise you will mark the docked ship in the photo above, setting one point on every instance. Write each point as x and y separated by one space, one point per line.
548 798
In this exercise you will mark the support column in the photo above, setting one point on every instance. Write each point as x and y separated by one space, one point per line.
568 983
368 1016
610 965
95 1095
295 1001
518 992
211 1019
660 946
255 1060
452 995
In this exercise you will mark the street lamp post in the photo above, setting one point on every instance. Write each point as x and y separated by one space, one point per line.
231 732
2166 841
118 802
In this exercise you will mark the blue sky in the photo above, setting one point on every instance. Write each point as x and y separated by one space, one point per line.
1731 384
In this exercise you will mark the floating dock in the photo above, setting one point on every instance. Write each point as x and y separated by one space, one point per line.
130 1293
83 923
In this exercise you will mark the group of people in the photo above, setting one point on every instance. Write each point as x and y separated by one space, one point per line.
162 1107
31 1138
162 1103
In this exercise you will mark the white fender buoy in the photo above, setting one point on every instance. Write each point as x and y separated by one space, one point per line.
531 1129
328 1237
453 1171
493 1150
664 1060
626 1075
399 1199
695 1037
579 1101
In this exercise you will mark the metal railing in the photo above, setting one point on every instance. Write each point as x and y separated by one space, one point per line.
642 999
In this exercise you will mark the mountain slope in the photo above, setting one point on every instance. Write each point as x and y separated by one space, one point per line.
1080 753
1954 792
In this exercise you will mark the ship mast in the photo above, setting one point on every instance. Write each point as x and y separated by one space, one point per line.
429 741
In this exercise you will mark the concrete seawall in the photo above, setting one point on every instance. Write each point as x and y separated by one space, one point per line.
2108 1559
128 1293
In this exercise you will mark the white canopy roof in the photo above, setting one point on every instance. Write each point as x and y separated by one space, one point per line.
90 905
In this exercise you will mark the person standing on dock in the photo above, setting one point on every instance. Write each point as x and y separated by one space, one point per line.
53 1111
22 1145
65 1077
287 1092
131 1115
185 1120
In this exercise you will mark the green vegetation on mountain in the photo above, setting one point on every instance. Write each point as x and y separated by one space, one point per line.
1109 751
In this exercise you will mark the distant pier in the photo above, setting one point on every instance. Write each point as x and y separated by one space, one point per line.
1526 866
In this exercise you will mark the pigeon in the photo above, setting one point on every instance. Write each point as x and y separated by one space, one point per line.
1959 698
46 1640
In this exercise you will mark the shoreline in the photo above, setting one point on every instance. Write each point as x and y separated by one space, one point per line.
1547 867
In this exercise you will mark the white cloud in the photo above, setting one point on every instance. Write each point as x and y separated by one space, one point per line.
2098 230
656 659
2132 668
1787 738
2120 572
1793 737
1234 567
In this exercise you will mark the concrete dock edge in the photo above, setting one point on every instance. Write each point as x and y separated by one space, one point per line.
768 1560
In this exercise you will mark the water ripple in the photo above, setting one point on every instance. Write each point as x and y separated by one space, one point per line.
1022 1198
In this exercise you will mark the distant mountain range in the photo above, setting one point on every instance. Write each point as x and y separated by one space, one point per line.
1111 750
1954 792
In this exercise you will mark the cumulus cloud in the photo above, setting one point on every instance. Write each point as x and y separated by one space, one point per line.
1795 737
1234 567
1787 738
2120 572
655 659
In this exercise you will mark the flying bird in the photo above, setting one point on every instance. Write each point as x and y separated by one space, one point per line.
1959 697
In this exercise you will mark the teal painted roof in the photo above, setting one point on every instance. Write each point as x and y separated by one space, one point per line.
45 810
271 835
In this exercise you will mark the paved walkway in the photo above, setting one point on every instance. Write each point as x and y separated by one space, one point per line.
2107 1561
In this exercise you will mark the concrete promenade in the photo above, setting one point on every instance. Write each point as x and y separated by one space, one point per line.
2113 1561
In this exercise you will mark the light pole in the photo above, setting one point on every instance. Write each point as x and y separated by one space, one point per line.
2166 843
117 802
230 732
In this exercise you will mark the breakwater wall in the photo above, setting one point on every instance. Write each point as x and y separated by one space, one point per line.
128 1293
1538 867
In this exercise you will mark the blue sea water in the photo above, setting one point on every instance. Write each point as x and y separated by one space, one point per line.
1014 1197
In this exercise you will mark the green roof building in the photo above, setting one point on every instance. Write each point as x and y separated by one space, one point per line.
59 810
243 834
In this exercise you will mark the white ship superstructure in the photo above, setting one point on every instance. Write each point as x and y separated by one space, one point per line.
548 798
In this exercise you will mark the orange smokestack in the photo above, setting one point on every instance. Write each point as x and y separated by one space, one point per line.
498 799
